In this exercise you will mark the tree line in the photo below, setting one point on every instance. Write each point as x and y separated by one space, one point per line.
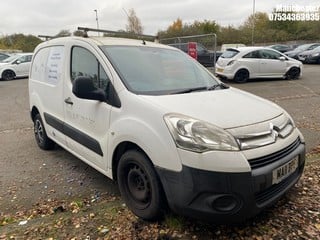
257 28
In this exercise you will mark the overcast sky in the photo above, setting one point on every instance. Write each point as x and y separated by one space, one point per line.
48 17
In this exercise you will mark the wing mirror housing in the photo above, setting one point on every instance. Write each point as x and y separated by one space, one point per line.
84 88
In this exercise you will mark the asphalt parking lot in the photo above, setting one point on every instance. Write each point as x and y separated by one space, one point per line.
29 175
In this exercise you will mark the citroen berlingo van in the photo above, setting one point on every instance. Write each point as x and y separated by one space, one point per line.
160 124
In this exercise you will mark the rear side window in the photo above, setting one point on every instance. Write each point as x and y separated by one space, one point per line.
253 54
269 54
47 64
230 53
84 63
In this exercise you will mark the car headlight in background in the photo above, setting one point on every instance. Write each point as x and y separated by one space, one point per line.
198 136
315 54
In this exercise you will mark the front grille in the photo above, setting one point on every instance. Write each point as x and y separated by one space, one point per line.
275 190
265 160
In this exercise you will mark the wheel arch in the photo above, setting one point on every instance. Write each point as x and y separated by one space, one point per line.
242 69
120 150
34 111
287 74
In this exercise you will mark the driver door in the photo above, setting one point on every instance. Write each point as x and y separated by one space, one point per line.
86 121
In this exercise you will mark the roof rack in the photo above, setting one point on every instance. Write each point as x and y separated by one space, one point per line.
116 34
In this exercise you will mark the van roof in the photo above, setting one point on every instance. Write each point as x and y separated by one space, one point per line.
100 41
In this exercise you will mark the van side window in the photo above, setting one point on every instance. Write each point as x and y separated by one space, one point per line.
84 63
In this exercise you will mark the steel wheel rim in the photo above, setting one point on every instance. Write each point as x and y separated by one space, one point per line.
38 130
138 185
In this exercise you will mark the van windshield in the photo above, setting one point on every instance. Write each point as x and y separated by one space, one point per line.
158 71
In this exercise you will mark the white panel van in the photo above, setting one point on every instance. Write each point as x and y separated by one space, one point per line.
161 125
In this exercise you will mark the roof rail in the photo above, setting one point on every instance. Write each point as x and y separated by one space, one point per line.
116 34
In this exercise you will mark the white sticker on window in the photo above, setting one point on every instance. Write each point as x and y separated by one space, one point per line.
54 65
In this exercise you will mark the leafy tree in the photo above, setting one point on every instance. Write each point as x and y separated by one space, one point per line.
176 26
229 34
134 24
78 33
178 29
63 33
20 42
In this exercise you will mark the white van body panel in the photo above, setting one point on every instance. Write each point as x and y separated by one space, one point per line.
143 125
213 107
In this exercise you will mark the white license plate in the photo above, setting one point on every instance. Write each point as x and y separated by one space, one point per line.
302 58
285 170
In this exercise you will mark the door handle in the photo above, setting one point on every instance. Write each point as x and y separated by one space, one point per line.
68 101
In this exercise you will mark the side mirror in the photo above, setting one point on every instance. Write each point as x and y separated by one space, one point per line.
18 62
282 58
84 88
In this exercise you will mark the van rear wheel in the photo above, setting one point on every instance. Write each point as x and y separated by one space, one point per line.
139 185
42 139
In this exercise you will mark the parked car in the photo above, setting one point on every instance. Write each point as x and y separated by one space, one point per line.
281 47
15 66
246 63
150 117
3 56
310 56
304 47
204 56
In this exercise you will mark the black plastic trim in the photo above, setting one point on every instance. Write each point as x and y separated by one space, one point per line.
74 134
193 192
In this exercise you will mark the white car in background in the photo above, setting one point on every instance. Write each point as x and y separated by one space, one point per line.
241 64
15 66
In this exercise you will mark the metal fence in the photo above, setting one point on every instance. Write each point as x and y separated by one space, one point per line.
206 47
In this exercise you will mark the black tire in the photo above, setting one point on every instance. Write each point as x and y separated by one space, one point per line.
42 139
8 75
241 76
140 186
293 73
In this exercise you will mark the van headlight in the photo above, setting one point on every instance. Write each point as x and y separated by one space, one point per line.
198 136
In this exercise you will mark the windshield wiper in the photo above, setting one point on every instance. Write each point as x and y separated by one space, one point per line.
189 90
210 88
219 85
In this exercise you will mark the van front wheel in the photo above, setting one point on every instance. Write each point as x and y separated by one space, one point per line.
140 186
40 134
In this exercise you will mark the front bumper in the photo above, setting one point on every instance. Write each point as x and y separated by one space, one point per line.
226 197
